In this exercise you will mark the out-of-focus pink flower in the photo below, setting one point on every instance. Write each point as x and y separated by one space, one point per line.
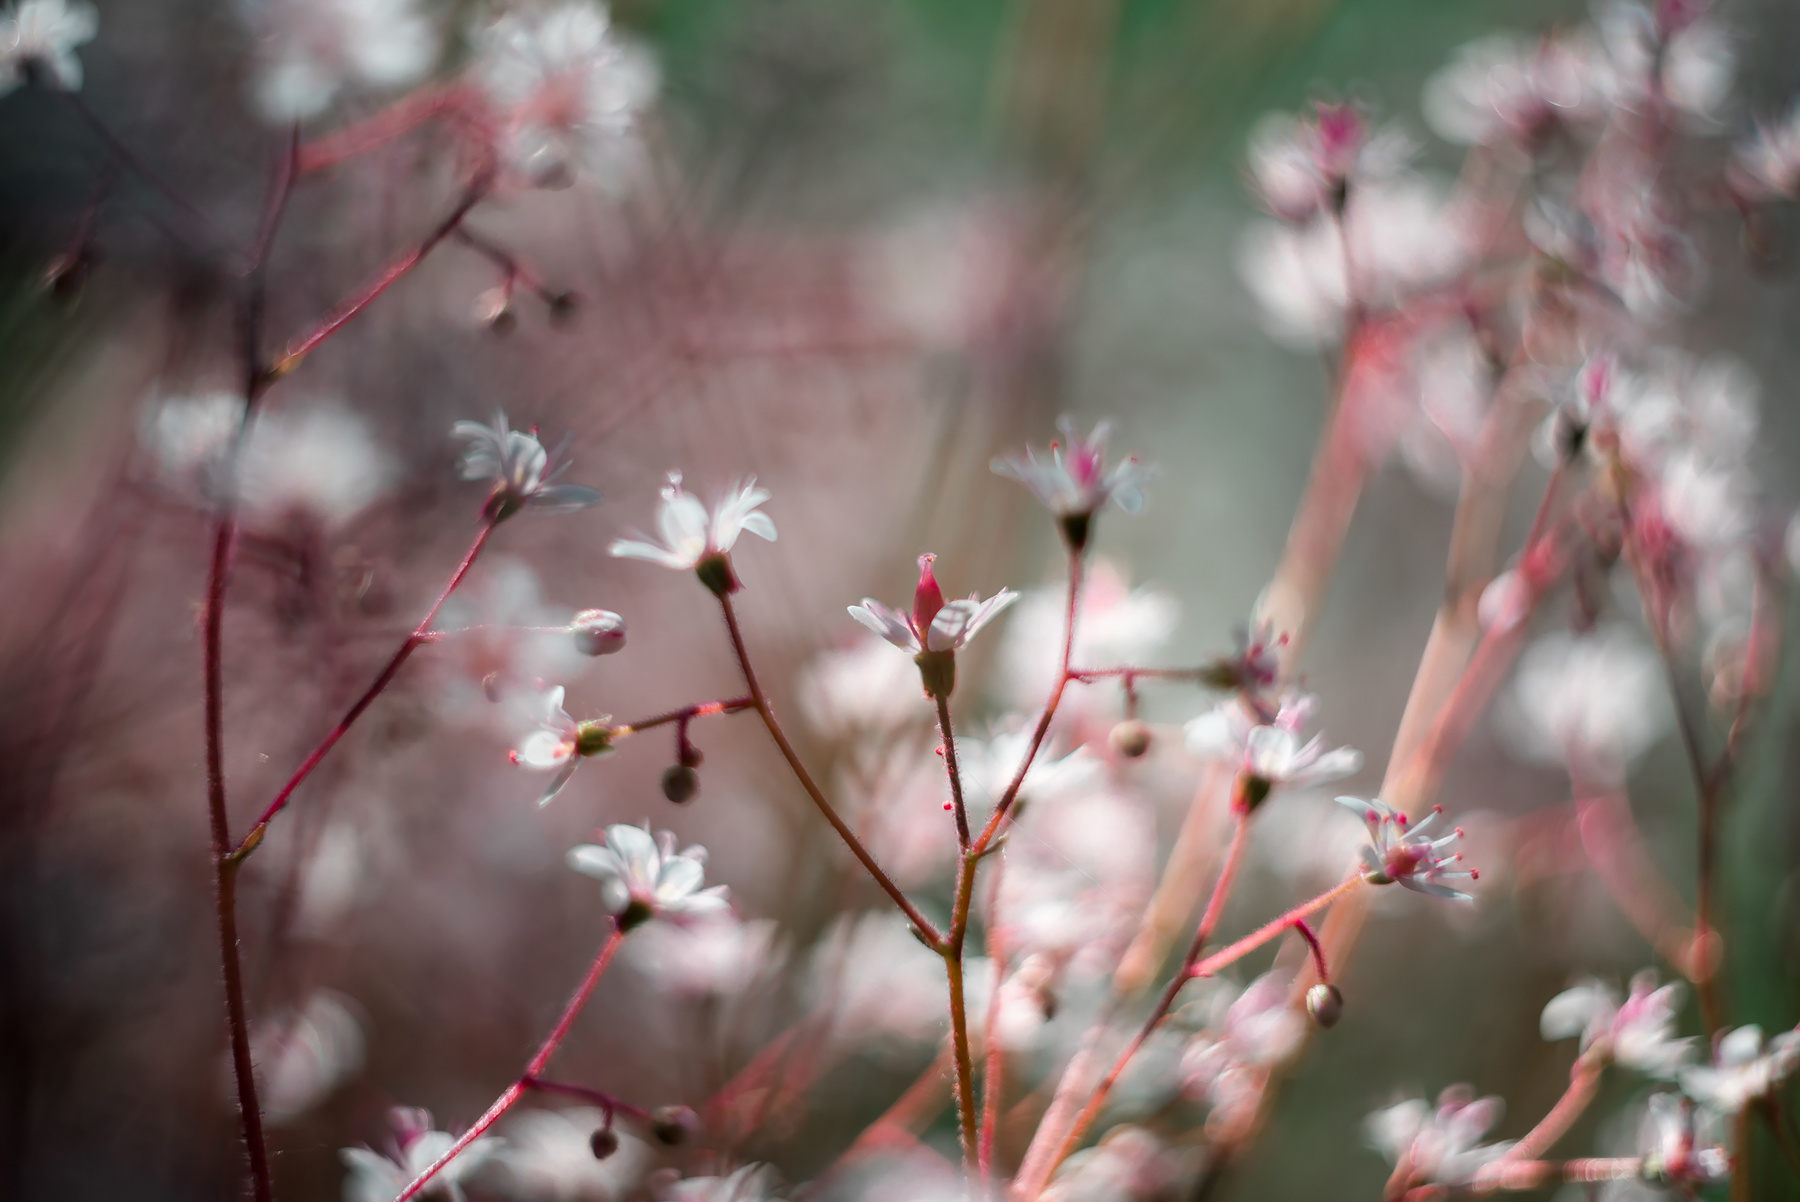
1302 166
1250 1028
314 49
570 91
1743 1069
549 1155
1639 1033
1074 481
1594 701
1442 1144
1767 165
377 1178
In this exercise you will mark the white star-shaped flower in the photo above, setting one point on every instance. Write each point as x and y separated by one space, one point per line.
691 536
560 743
523 472
643 877
1400 853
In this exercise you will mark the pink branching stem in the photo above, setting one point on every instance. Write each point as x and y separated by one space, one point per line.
1034 1176
950 770
304 345
761 703
509 264
1004 806
224 537
1536 1174
993 1073
1132 674
953 947
1273 928
1318 953
1584 1085
1615 848
534 1068
412 111
599 1098
420 635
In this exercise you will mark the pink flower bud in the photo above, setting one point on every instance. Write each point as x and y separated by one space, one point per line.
928 598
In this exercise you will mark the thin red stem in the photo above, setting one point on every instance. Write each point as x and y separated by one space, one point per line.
303 346
419 636
993 1072
598 1097
761 701
533 1069
1005 804
950 770
1272 929
1318 952
735 705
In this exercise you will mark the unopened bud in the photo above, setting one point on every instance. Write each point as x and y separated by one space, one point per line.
598 632
603 1143
1326 1004
563 307
680 783
1130 738
494 309
672 1125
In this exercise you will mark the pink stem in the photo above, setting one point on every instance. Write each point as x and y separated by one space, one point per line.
420 635
1272 929
533 1069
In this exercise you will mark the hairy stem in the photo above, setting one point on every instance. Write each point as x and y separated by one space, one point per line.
761 701
950 769
534 1068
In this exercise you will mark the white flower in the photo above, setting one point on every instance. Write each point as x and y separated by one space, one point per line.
715 956
570 90
313 457
1442 1145
552 1158
934 625
1270 753
1074 482
1301 166
1596 700
1743 1069
1252 1028
40 36
1689 66
302 1055
1768 165
377 1178
1509 87
877 982
1678 1146
1640 1033
860 688
560 743
690 535
190 438
313 49
752 1183
523 472
1410 857
643 877
1402 236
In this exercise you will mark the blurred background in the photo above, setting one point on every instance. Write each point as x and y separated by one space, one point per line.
880 242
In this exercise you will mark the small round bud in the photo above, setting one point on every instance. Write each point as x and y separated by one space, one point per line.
680 783
690 756
564 306
672 1125
1326 1005
598 632
494 309
603 1143
1130 738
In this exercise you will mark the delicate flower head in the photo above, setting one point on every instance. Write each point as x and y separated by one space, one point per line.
570 91
312 50
1302 166
1743 1069
318 459
374 1177
697 541
1639 1033
1596 701
934 626
1512 88
523 472
38 40
1404 853
1268 749
560 743
1074 482
1441 1145
1677 1144
1767 166
643 877
1254 664
551 1154
1253 1028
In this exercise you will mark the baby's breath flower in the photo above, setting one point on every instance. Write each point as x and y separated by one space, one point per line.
1074 482
936 629
38 40
523 472
561 743
570 91
1269 753
1743 1069
1301 166
1441 1146
1638 1034
694 540
643 877
1410 857
417 1145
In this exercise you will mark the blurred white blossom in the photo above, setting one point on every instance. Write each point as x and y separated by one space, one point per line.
877 982
551 1158
312 457
1442 1144
311 50
715 955
1596 701
860 688
1513 88
302 1055
1639 1033
373 1177
1743 1069
40 36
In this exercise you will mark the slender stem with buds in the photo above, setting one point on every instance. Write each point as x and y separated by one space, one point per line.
734 705
531 1078
600 1098
950 769
761 702
420 635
